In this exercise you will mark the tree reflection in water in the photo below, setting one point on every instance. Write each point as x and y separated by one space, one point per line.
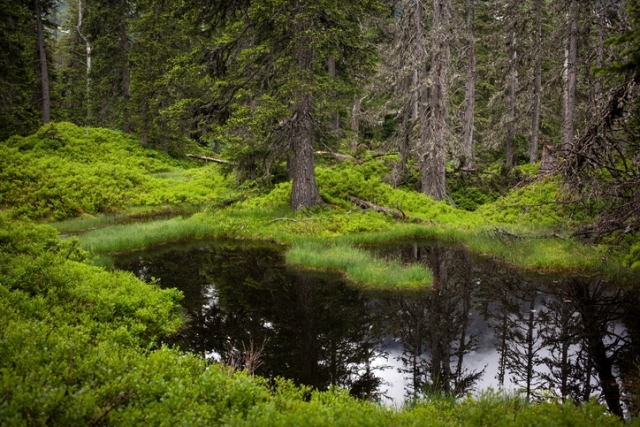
569 337
315 329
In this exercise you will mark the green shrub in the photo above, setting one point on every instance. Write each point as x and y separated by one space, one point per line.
63 171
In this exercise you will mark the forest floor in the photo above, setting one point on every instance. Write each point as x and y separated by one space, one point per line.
115 196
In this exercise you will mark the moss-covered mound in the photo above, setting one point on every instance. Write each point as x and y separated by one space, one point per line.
64 171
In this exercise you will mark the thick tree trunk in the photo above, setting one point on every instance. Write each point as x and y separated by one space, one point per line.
570 80
470 91
434 160
44 71
548 162
537 91
304 193
513 82
420 111
126 73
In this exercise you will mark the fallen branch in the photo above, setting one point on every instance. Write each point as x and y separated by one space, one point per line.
368 205
504 233
336 155
282 219
500 232
210 159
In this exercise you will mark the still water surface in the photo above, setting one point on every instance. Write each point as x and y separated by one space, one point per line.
483 325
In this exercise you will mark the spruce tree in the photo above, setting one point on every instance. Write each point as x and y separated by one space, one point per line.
268 64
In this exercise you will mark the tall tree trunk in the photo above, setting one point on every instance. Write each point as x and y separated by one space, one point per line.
434 161
570 81
470 91
415 92
44 71
537 91
600 53
87 46
513 82
304 193
420 102
126 73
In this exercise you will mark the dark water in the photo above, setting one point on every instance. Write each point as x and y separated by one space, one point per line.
482 325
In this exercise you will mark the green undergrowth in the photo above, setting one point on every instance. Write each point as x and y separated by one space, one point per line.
88 222
471 189
529 240
127 237
359 266
532 248
540 203
83 346
64 171
100 177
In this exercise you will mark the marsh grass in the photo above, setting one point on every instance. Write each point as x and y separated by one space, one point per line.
128 237
528 247
138 213
359 266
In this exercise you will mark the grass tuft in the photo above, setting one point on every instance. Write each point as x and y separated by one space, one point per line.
359 266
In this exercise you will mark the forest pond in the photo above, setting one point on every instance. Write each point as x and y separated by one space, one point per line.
483 325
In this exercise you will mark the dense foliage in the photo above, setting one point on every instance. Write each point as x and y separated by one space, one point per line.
64 171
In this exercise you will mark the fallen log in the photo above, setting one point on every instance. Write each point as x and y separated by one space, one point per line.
368 205
210 159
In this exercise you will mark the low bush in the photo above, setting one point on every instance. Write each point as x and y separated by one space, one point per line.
63 171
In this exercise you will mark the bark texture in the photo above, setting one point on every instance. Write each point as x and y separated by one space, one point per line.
537 91
470 91
126 72
513 82
570 79
434 157
304 193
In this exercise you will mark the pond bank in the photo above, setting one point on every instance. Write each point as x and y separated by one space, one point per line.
535 249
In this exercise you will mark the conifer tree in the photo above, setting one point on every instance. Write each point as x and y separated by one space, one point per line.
19 106
107 29
268 65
